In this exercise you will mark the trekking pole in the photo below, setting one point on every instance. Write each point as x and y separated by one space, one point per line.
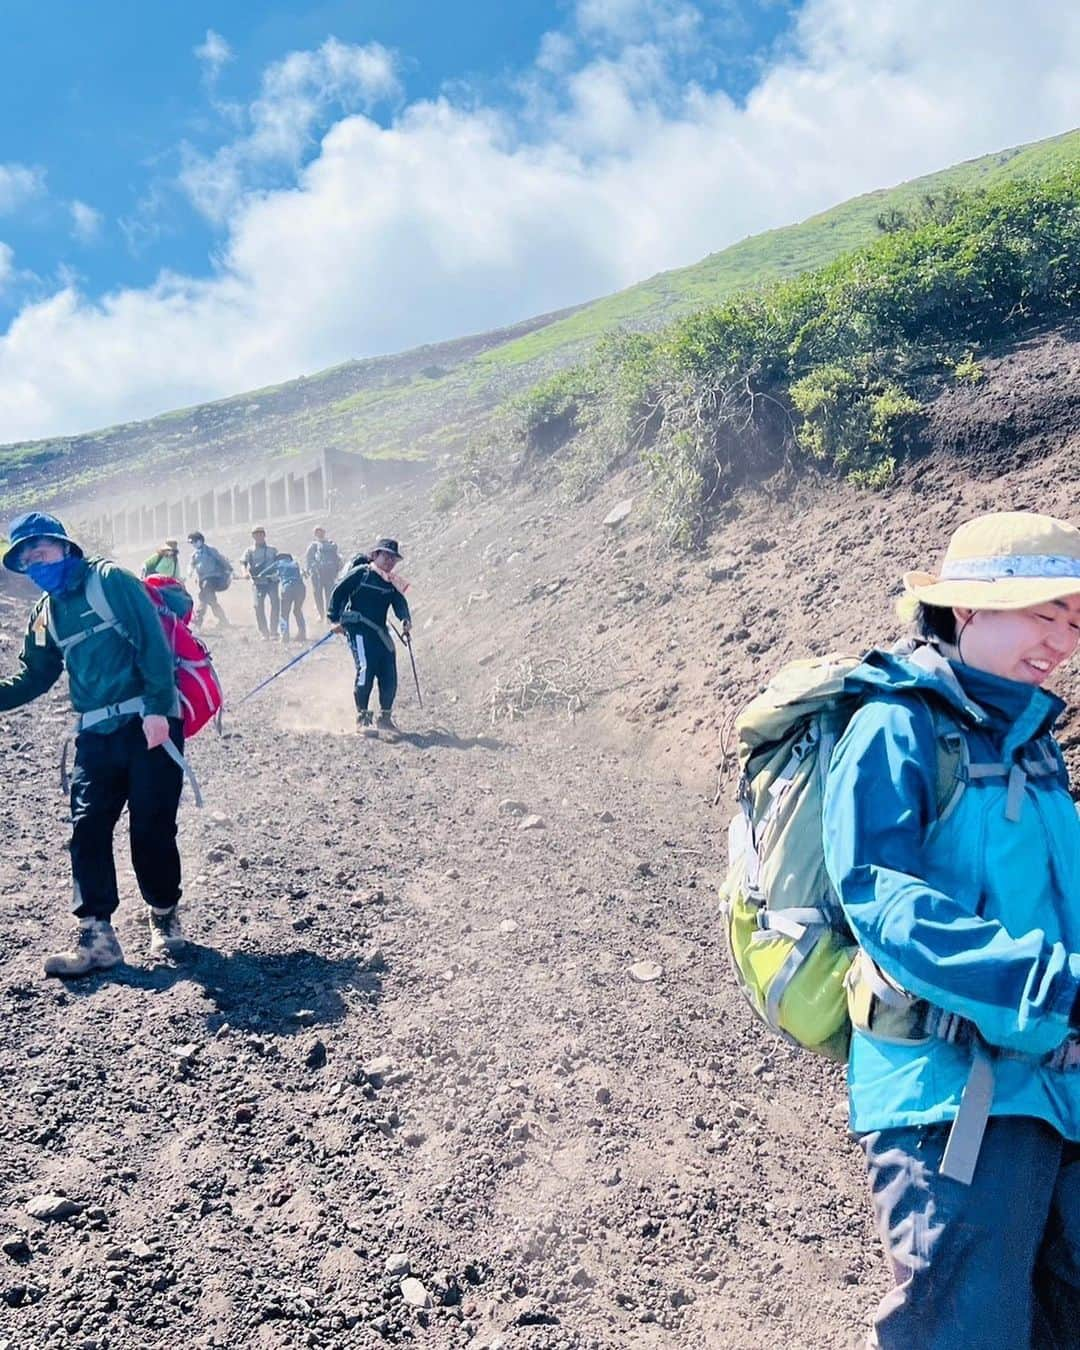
287 666
407 643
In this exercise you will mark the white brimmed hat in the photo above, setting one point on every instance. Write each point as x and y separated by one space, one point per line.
1004 560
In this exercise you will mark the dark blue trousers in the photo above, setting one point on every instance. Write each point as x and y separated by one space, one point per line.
990 1266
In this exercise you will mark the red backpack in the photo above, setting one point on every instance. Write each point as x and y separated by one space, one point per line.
201 697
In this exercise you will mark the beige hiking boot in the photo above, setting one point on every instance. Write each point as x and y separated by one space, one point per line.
166 937
96 948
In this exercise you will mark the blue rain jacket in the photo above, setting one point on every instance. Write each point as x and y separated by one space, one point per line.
978 914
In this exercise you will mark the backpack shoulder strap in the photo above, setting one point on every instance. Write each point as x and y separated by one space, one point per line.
98 602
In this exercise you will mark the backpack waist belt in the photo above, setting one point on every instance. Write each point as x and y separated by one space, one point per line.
351 617
128 706
878 1008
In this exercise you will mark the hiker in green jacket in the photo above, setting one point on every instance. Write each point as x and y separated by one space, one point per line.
130 735
165 562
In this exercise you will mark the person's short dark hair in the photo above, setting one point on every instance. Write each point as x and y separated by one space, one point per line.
936 623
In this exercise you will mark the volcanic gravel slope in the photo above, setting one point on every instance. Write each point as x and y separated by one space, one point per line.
456 1058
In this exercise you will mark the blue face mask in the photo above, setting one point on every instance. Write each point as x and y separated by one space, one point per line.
54 576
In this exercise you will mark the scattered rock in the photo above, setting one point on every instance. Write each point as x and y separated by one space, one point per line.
508 926
316 1055
53 1208
619 513
16 1249
533 823
645 972
379 1067
414 1293
509 807
605 818
397 1265
243 1114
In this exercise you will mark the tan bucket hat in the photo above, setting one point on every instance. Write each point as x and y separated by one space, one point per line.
1004 560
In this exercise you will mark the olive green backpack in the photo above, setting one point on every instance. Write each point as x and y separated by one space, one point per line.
790 944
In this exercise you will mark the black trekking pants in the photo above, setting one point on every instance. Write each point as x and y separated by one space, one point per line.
374 661
263 593
113 770
322 585
292 604
208 600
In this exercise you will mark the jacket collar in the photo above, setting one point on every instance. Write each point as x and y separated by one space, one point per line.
1019 712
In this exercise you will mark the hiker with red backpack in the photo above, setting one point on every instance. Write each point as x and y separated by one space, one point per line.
905 893
98 622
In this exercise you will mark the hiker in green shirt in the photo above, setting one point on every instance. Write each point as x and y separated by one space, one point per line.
130 735
165 562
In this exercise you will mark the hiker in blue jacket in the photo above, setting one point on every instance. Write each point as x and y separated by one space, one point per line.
969 921
293 593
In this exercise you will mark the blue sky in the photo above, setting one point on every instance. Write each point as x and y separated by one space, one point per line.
104 101
197 199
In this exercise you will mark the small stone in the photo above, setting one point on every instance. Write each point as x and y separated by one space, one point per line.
533 823
414 1138
397 1265
414 1293
372 896
618 513
643 867
243 1114
379 1067
645 972
602 1096
53 1208
581 1278
304 1016
186 1052
605 818
452 874
316 1055
16 1249
509 807
508 926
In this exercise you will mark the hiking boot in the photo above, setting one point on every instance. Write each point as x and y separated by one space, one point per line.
96 948
166 938
386 721
363 721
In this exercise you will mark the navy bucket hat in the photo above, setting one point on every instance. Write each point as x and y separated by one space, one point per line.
34 525
387 546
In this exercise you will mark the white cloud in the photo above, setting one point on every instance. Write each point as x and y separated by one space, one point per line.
213 53
7 264
296 95
18 184
457 217
86 222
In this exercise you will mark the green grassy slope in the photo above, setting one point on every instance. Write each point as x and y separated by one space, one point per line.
778 253
426 402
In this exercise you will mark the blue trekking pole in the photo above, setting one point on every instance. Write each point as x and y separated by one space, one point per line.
287 666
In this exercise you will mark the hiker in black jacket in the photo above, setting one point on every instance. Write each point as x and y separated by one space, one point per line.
358 608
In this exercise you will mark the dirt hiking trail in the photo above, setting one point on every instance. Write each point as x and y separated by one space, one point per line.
456 1059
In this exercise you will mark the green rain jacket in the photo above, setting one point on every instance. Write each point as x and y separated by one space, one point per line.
106 668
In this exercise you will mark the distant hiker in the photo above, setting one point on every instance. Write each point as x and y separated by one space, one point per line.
322 563
293 593
213 572
962 890
122 685
358 608
258 564
165 562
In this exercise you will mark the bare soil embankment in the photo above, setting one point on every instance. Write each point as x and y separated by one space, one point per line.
409 1025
